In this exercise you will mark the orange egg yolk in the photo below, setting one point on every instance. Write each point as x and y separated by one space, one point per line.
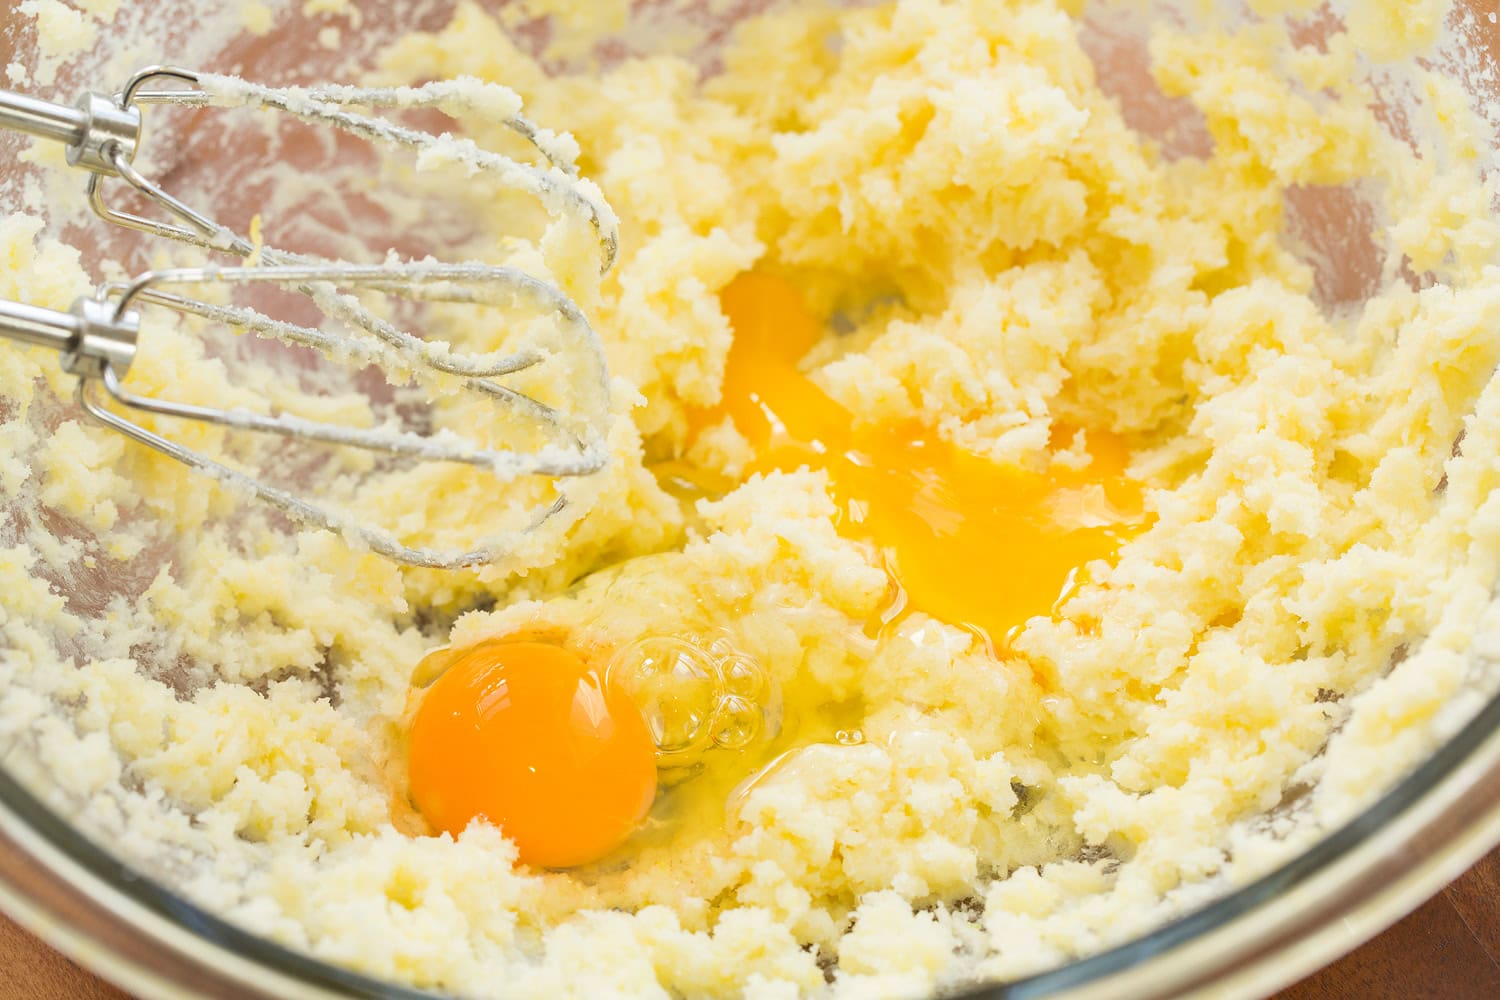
969 542
528 736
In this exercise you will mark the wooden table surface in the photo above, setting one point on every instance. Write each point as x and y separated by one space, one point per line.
1448 950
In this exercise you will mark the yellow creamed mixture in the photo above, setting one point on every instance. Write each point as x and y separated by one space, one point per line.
1310 606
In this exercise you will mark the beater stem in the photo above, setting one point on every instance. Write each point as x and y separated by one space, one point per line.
42 119
97 131
92 337
42 327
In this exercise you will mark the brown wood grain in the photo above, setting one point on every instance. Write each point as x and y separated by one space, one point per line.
1447 950
32 971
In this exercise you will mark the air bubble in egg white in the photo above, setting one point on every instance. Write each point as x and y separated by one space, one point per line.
697 693
743 678
737 723
674 684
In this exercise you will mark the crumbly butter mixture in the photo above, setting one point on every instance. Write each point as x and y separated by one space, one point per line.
1308 614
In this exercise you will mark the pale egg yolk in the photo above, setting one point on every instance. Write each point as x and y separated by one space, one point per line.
970 542
528 736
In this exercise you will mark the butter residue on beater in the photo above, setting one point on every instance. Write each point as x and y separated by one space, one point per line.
1310 607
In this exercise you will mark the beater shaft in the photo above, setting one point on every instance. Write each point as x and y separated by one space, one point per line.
42 118
99 131
42 327
92 337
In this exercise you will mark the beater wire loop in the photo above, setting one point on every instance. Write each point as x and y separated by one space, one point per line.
573 458
97 338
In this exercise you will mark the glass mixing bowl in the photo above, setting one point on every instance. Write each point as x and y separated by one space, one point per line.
109 907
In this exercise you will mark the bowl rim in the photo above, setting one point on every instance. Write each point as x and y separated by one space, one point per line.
1353 883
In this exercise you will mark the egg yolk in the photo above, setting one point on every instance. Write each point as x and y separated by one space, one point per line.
529 736
970 542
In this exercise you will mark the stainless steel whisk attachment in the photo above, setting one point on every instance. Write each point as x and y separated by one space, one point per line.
97 340
97 337
102 135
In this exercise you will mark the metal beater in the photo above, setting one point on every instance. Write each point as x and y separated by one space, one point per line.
97 337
